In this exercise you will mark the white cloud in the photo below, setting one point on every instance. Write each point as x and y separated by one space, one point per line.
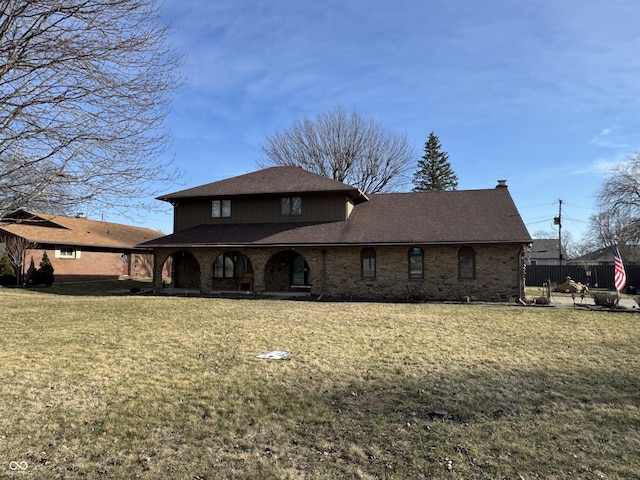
608 139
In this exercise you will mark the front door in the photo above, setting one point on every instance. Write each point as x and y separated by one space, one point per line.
298 272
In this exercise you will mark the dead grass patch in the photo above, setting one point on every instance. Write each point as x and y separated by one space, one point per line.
153 387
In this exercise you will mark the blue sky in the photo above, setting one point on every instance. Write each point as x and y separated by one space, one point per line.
544 94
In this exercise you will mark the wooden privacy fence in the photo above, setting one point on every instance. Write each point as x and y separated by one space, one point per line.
596 276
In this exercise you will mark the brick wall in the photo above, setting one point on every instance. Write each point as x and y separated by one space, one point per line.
93 265
497 274
336 272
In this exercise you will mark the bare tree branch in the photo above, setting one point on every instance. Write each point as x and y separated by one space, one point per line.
618 204
348 148
16 249
85 86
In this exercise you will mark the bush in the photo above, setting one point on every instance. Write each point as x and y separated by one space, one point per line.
541 301
607 300
7 272
44 274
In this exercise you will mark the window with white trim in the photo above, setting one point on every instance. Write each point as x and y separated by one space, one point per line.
67 252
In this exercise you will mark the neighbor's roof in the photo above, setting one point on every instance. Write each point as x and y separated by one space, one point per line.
544 248
42 228
274 180
442 217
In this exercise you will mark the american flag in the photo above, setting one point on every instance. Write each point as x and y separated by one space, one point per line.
620 277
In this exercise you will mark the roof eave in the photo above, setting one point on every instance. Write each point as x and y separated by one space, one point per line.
331 244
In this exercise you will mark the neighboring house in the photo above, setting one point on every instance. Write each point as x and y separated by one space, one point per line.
79 249
545 251
283 229
604 256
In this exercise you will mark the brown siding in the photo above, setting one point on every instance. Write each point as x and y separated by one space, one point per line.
266 209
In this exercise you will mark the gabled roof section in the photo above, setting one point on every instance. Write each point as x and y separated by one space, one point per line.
42 228
270 181
449 217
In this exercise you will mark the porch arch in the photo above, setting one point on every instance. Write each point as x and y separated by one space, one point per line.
228 268
287 270
186 270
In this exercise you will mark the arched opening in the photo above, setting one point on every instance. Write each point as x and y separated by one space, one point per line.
186 271
287 271
466 263
416 262
368 263
229 270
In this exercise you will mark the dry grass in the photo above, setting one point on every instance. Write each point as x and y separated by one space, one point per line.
156 387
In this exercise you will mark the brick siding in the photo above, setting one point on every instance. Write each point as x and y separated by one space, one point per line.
335 272
93 265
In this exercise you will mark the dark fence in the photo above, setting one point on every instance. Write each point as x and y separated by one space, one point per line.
597 276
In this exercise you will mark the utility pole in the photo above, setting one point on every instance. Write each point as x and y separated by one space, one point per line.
558 221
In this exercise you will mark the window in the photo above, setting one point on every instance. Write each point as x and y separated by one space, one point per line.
220 208
290 206
230 265
466 263
368 262
416 263
67 252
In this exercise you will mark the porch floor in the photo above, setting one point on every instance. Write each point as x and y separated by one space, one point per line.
194 292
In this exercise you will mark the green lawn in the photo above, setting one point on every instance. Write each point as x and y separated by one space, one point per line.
136 386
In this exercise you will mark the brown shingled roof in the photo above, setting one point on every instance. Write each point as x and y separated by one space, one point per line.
274 180
459 216
42 228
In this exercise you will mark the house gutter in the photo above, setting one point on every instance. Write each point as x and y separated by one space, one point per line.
325 245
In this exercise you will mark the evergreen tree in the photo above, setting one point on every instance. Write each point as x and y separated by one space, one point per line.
434 170
44 274
7 272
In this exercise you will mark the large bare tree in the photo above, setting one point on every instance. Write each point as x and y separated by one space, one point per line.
85 86
346 147
618 205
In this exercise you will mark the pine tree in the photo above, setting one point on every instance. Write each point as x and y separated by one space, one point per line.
44 274
434 170
7 272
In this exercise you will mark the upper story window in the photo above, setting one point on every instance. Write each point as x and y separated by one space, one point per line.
368 262
466 263
416 263
220 208
290 206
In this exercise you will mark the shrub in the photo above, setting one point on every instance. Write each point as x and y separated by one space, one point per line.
7 272
607 300
44 274
541 300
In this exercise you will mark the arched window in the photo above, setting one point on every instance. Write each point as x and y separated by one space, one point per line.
466 263
230 265
416 263
368 262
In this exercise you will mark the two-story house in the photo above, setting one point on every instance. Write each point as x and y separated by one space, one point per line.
284 229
